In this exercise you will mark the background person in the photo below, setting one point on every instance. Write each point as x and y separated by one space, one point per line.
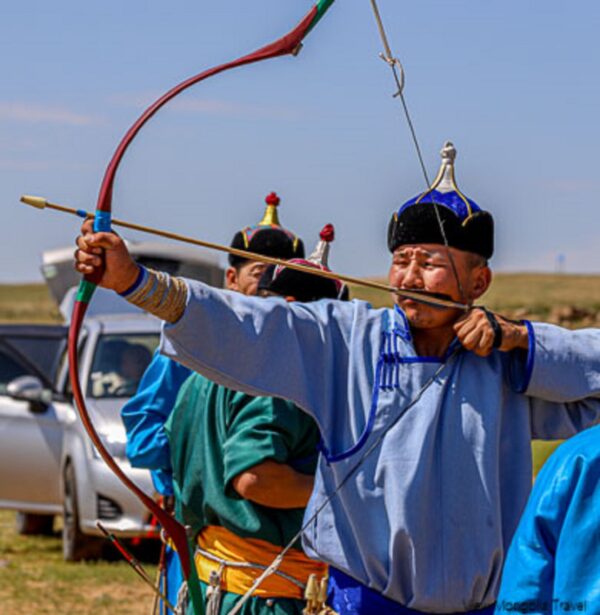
553 564
243 470
144 415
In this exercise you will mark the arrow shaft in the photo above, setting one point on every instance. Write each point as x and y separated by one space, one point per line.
421 297
134 563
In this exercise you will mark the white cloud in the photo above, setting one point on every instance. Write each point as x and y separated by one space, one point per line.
44 114
210 106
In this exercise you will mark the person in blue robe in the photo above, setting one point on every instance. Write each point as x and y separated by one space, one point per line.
553 564
144 417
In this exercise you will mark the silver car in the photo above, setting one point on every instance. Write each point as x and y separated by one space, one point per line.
48 466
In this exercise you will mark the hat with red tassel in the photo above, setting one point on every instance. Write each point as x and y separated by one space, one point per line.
303 286
268 237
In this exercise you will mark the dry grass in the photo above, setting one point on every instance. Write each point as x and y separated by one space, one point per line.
535 290
35 579
27 303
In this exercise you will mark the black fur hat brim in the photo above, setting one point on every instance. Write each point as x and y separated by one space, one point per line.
419 224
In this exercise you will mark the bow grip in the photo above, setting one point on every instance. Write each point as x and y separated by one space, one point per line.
102 224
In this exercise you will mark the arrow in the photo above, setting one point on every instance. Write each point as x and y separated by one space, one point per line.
134 563
421 296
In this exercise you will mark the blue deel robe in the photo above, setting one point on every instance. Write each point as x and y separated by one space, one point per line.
428 517
553 564
144 416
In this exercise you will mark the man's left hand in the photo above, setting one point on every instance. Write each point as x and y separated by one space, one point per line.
477 334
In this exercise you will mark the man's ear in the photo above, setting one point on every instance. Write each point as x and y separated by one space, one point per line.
231 278
483 279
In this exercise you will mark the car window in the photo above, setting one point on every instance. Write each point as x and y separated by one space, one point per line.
119 363
22 355
42 352
10 369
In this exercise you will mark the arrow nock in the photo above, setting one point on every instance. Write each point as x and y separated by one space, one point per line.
39 202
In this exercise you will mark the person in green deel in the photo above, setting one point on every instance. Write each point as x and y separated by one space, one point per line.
243 470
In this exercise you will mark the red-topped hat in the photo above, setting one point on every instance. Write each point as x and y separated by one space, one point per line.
304 286
320 255
268 237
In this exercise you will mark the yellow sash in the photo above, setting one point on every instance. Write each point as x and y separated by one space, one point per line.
229 549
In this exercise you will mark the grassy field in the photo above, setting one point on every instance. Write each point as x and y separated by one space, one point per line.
35 579
33 576
27 303
542 294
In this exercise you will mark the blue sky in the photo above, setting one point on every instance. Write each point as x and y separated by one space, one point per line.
514 84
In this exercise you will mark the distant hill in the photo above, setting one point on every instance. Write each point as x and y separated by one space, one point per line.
27 303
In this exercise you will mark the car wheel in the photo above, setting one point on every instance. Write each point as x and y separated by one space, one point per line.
29 524
76 545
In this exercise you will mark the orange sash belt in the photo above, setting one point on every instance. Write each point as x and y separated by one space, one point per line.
241 560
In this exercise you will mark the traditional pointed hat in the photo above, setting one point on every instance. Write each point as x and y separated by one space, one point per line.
268 237
303 286
466 226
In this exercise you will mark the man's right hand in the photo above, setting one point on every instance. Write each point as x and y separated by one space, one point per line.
96 249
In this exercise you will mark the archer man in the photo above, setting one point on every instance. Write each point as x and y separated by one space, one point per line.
426 414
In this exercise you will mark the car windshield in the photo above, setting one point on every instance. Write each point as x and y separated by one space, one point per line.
119 363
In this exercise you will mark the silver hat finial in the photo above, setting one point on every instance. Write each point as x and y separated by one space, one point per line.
446 175
448 152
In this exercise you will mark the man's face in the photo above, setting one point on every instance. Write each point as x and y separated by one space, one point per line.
428 267
245 278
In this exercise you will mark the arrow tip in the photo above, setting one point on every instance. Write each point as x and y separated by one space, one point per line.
38 202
